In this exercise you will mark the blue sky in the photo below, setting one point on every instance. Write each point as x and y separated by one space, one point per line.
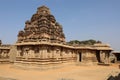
81 19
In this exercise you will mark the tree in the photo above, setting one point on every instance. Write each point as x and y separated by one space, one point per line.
85 42
99 41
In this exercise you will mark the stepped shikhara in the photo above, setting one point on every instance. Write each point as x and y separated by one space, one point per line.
42 27
43 42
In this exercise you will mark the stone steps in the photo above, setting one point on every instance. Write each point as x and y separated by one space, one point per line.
45 61
4 61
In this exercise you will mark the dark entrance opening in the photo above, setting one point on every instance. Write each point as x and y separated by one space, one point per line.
117 56
98 56
80 57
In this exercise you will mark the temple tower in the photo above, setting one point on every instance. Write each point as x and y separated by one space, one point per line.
42 27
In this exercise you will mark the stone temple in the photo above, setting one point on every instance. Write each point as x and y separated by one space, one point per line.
43 42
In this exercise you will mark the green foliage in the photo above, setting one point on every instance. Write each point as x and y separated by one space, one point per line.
85 42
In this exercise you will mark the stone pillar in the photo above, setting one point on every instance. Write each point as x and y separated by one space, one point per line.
69 54
3 54
102 56
41 53
74 54
48 53
45 53
24 54
53 52
107 58
78 57
63 54
57 54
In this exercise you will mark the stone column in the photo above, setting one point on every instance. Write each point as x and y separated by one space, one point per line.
63 54
24 54
45 52
48 53
2 54
78 57
57 54
41 53
53 56
54 53
107 58
74 54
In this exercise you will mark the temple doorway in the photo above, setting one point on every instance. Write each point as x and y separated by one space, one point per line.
80 57
118 57
98 56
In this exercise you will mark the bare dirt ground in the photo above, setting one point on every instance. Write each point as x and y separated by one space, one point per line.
67 72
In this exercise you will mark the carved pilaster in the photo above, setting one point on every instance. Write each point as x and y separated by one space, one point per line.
31 54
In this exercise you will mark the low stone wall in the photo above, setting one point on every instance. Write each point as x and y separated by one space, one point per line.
4 61
31 66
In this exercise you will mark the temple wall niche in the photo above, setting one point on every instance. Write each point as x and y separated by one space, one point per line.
4 54
4 51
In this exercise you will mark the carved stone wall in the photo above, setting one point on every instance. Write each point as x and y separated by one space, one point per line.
45 54
4 53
